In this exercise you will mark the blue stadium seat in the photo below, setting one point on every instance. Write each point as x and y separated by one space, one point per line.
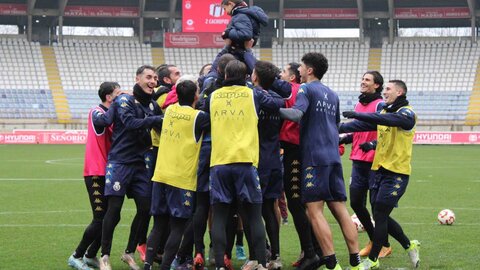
26 103
429 105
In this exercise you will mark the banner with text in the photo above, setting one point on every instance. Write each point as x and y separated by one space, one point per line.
80 137
193 40
320 14
44 137
437 137
432 13
204 16
13 9
101 11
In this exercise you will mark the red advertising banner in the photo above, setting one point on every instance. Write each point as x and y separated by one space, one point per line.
101 11
13 9
203 16
44 137
320 14
435 137
80 137
432 13
193 40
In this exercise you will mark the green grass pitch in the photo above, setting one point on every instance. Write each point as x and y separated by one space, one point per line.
44 209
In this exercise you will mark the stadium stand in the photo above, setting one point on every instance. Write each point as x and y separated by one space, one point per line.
440 106
473 113
432 64
158 56
55 84
266 54
347 59
440 72
24 90
84 63
432 107
26 103
22 63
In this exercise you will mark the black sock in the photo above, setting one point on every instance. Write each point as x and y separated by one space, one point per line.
182 259
218 233
239 237
147 266
271 225
186 247
177 228
231 230
200 218
253 213
92 236
354 259
396 231
358 202
316 247
110 221
139 226
160 228
291 183
330 261
210 236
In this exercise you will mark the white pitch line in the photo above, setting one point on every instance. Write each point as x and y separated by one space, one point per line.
128 225
23 160
43 212
41 179
62 161
49 225
438 167
456 180
52 212
76 179
436 208
65 161
133 209
437 224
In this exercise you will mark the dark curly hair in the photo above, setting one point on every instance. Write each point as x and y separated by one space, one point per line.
266 73
318 62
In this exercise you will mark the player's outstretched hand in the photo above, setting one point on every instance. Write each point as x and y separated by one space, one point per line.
367 146
125 92
349 114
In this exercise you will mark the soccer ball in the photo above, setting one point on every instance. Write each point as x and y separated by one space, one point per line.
446 217
357 223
